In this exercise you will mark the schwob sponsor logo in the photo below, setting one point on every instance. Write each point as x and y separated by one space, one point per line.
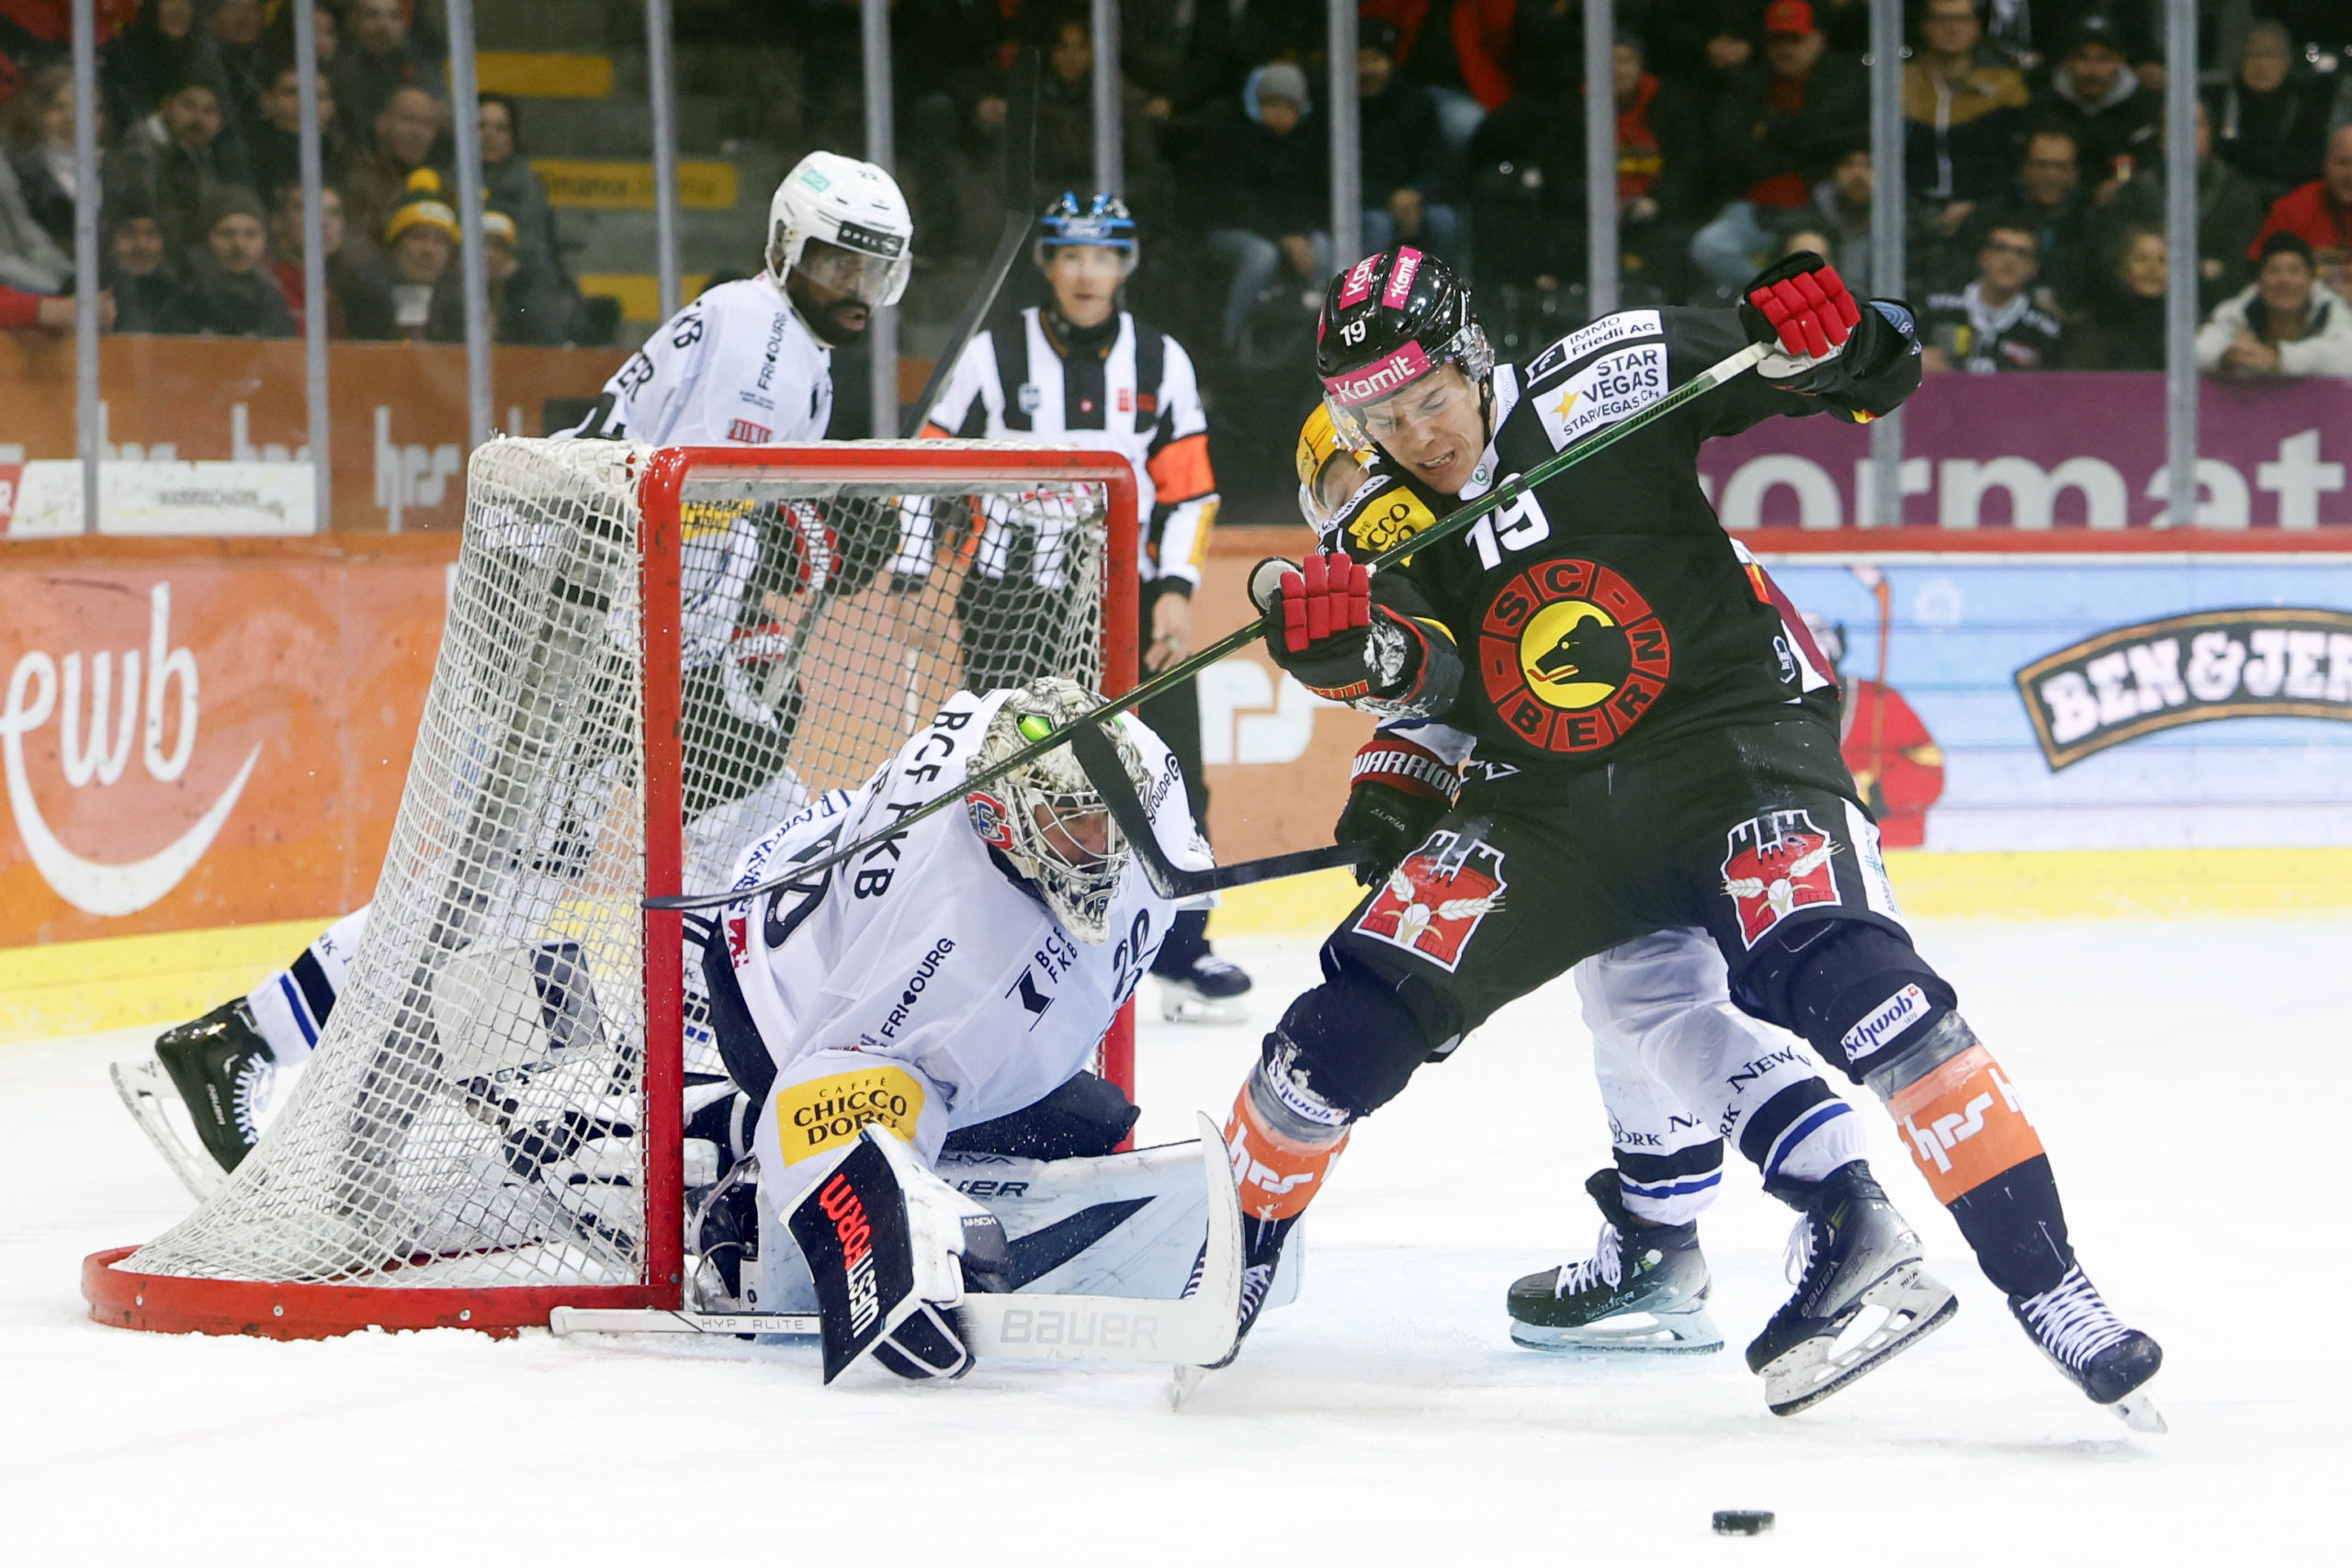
2157 675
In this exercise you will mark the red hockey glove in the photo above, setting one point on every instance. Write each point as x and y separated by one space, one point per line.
1397 792
1319 626
1800 304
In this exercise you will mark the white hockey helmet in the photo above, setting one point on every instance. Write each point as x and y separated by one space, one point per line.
851 207
1046 817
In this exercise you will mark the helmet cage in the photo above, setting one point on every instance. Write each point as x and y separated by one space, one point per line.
1028 814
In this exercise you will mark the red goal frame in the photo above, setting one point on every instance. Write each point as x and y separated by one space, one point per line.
181 1304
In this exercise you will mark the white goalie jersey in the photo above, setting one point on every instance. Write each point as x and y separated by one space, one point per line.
922 985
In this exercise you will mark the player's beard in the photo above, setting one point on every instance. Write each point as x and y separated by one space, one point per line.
837 324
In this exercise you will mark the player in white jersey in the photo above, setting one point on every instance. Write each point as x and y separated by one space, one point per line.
951 977
748 363
1682 1070
1082 372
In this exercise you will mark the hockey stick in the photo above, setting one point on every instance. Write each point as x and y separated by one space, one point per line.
1020 216
1192 1330
1699 386
1100 760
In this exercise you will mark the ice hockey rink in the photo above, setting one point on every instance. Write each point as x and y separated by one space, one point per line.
1385 1417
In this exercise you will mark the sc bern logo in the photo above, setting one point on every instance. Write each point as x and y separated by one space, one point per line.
1432 906
1572 656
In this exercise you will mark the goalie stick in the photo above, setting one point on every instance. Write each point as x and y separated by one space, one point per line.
1192 1330
1101 761
1699 386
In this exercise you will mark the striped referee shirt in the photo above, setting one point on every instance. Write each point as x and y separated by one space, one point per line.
1135 394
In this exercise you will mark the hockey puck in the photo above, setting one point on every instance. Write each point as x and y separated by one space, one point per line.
1743 1521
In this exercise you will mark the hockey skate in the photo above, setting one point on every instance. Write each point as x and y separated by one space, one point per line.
1207 990
1850 1255
2083 1340
1644 1288
221 1070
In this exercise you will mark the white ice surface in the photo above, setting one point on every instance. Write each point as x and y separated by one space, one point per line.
1384 1418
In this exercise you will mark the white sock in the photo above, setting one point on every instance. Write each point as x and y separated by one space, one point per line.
1832 1141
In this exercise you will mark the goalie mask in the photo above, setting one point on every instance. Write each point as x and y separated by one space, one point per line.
859 219
1045 817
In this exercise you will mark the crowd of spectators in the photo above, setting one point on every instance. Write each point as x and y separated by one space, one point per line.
2034 164
199 179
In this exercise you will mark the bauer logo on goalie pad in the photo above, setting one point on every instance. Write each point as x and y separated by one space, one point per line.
1776 865
1432 905
817 1117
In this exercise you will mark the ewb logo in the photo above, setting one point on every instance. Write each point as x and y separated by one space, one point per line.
94 748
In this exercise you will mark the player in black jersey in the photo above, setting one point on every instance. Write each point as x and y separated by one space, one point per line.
1652 752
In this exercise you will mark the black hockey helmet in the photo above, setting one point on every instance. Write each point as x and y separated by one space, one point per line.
1387 322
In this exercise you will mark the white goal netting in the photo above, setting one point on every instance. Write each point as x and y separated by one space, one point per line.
472 1114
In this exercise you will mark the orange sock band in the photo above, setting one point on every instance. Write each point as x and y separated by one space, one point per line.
1964 1124
1278 1176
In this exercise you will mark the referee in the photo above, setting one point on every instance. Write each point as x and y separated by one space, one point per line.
1082 372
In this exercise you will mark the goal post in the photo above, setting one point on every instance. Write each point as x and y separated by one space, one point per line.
651 657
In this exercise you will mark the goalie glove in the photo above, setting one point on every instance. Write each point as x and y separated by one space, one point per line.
1323 629
1397 792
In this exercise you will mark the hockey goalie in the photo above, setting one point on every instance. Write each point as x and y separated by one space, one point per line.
915 1022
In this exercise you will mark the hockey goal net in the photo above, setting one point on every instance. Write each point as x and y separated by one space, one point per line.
650 659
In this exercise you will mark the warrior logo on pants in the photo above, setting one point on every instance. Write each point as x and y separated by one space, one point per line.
1775 865
1435 901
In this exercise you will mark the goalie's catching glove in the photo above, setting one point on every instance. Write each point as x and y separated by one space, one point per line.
1397 792
1322 626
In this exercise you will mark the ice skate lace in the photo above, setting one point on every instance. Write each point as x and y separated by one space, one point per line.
1797 1261
249 1096
2071 1320
1606 1266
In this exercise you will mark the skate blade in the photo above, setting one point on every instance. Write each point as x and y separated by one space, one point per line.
1188 1007
144 1089
1180 1386
2137 1411
1915 1303
1683 1333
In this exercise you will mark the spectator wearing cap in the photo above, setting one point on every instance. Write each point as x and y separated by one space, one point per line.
377 57
1269 202
410 292
138 269
523 308
2229 212
230 292
374 178
179 157
2320 213
1779 125
2103 104
1458 49
1992 324
2282 323
1404 188
1961 105
2269 119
